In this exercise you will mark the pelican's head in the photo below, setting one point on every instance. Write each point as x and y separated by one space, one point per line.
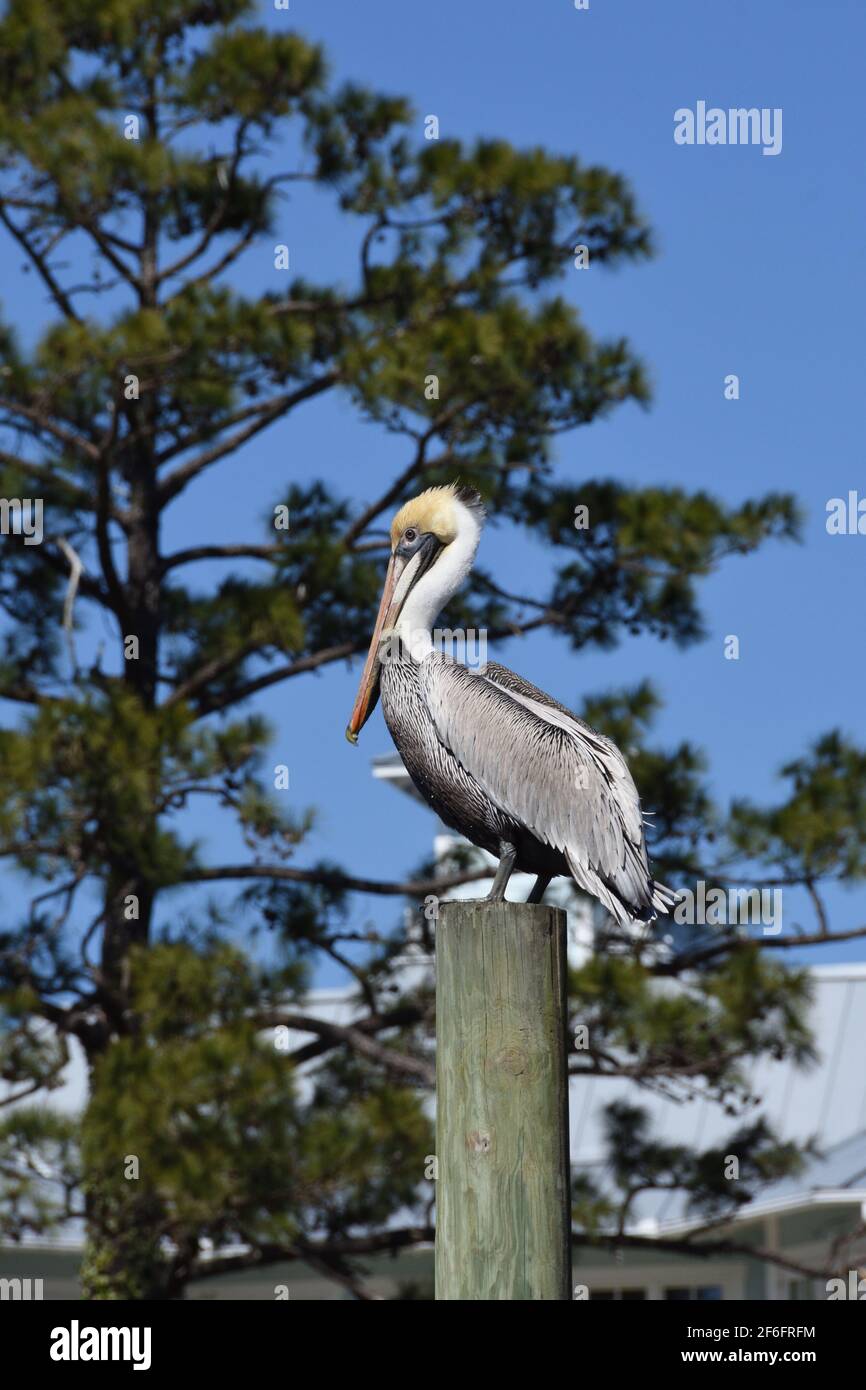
438 527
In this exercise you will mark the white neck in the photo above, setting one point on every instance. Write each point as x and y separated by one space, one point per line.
438 585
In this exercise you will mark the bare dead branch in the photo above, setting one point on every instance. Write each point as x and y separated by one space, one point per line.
76 569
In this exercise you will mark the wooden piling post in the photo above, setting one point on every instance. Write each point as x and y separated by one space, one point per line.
503 1217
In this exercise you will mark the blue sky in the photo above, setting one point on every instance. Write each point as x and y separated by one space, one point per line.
759 272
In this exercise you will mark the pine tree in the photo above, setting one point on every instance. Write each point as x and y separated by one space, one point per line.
148 141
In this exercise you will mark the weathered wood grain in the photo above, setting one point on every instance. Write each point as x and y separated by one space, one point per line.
503 1201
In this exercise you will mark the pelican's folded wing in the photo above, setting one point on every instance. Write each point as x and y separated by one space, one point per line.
551 772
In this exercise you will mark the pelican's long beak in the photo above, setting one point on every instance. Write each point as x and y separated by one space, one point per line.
368 690
403 574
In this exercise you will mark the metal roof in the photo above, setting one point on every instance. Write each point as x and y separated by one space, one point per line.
826 1102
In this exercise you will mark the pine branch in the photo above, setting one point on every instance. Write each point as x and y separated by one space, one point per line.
208 430
211 671
210 704
106 243
404 1016
338 1247
217 218
20 692
58 294
47 476
175 482
219 552
419 465
238 247
329 878
688 961
43 421
357 1039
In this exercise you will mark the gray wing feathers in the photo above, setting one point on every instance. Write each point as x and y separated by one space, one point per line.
566 783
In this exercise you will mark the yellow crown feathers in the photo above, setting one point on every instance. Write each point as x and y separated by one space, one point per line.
435 511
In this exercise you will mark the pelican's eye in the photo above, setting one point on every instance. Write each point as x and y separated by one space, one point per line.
410 535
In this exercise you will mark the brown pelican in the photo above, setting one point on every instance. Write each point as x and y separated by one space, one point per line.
498 760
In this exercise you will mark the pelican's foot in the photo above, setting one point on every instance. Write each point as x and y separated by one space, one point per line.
508 854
